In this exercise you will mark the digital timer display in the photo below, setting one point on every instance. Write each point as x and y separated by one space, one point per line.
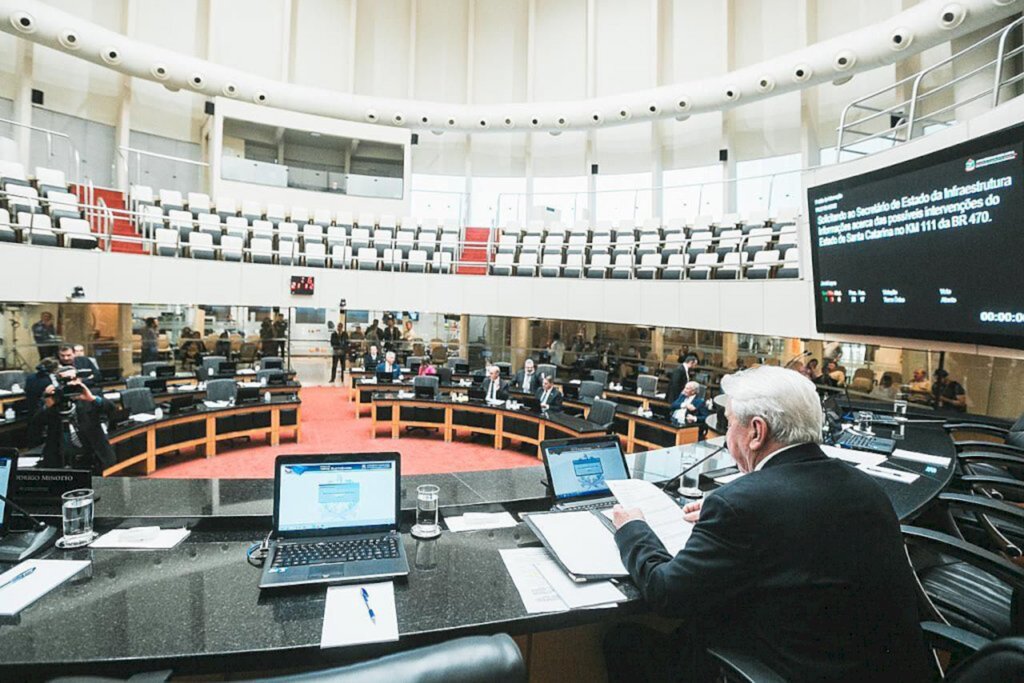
302 284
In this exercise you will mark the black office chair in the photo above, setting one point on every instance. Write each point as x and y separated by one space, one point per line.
1014 436
8 378
135 382
647 384
547 369
211 363
428 381
474 659
591 389
152 366
965 585
221 390
137 401
270 375
1000 661
600 376
444 375
602 413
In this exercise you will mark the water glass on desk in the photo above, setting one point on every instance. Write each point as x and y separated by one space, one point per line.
427 503
77 511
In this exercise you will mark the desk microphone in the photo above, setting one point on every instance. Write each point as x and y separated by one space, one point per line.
674 481
39 524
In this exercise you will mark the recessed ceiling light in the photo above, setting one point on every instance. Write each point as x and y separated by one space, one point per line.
314 134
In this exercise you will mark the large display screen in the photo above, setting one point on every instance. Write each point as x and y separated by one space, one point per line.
929 248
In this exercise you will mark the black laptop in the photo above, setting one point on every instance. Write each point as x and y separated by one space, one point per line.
335 520
578 471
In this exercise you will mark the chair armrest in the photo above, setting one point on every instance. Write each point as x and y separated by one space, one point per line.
995 482
738 666
992 446
987 561
975 427
983 504
952 639
1000 459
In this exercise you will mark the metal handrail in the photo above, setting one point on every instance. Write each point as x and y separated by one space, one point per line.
74 156
122 149
907 123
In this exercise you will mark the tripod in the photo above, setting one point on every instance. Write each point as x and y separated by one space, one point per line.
17 361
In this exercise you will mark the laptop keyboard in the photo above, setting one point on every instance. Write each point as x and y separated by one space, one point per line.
302 554
574 507
864 442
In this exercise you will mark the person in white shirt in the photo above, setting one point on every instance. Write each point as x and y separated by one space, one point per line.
557 349
389 365
495 389
688 407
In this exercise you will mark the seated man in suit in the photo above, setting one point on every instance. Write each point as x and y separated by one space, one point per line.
549 396
495 388
799 563
372 359
389 365
526 379
689 407
681 375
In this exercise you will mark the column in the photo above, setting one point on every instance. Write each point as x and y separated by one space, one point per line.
730 350
520 341
23 101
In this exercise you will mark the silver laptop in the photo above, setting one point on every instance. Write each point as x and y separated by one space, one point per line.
335 520
579 470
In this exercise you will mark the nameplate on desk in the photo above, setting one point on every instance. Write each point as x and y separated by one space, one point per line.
46 484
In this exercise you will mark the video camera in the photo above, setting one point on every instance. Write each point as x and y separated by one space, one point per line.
66 392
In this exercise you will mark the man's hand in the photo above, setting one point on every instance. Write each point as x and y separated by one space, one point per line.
621 515
48 396
86 394
691 511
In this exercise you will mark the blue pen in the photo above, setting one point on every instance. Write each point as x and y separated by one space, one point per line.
366 599
28 572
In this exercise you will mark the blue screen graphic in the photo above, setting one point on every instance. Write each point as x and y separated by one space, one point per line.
584 469
336 496
6 466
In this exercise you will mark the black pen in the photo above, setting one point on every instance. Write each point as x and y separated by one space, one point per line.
19 577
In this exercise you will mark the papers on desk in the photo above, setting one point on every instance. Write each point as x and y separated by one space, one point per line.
660 395
216 403
347 617
890 474
584 546
249 384
368 380
112 395
854 457
936 460
143 417
662 513
575 381
544 587
27 461
495 403
475 521
245 371
32 579
406 394
187 387
141 538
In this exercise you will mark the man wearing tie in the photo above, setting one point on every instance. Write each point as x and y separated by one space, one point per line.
549 396
494 388
526 379
689 408
372 359
681 375
389 365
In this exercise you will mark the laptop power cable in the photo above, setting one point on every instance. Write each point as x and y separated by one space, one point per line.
256 555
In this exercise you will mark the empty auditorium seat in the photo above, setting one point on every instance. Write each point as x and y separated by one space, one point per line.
392 259
39 228
450 226
139 195
198 203
7 231
622 268
287 232
417 261
449 244
344 220
699 242
763 264
426 240
166 242
261 249
288 252
757 240
341 255
237 226
442 262
573 265
530 243
209 223
181 221
77 233
599 264
502 263
276 214
404 241
388 222
383 239
226 207
527 264
650 264
703 266
366 258
314 254
336 237
322 217
171 200
150 219
732 266
367 221
62 205
790 264
311 232
409 223
251 210
231 248
729 240
299 214
262 229
50 180
360 239
13 173
22 198
201 246
551 264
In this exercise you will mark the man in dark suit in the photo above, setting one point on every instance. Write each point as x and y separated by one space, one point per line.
799 563
689 407
495 388
74 436
681 375
389 365
549 396
526 379
372 358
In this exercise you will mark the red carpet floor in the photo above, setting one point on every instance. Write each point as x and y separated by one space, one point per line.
329 426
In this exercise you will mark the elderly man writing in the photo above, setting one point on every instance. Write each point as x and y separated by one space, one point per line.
799 563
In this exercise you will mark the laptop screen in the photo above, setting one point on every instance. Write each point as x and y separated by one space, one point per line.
6 477
321 495
582 467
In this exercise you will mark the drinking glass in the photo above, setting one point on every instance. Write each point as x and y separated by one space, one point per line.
864 420
426 512
77 511
688 484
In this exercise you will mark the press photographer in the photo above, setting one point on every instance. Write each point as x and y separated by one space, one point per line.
70 418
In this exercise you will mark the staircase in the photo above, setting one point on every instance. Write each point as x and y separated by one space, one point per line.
114 200
474 251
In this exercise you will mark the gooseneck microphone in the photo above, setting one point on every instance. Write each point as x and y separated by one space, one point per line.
663 485
39 524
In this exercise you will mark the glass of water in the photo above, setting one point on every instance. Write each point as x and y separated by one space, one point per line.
77 511
427 525
688 484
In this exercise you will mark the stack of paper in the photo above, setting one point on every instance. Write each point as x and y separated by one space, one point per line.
32 579
474 521
936 460
143 417
347 619
544 587
662 514
216 404
141 538
583 543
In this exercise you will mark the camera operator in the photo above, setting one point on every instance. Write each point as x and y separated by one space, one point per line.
70 416
84 365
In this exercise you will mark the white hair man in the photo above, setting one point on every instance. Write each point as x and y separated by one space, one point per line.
799 563
495 388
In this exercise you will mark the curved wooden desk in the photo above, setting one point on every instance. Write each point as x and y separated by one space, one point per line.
390 410
141 443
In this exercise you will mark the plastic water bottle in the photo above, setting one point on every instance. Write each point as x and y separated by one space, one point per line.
9 413
266 397
159 413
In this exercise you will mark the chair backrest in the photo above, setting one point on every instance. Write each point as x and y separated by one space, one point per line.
999 661
221 389
212 362
267 375
444 374
8 378
591 389
647 383
428 381
151 366
137 400
600 376
602 412
547 369
135 382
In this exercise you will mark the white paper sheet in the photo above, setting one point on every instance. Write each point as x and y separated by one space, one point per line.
143 417
473 521
936 460
729 477
853 456
141 538
27 461
578 595
890 474
537 594
582 542
216 404
347 621
47 575
663 515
